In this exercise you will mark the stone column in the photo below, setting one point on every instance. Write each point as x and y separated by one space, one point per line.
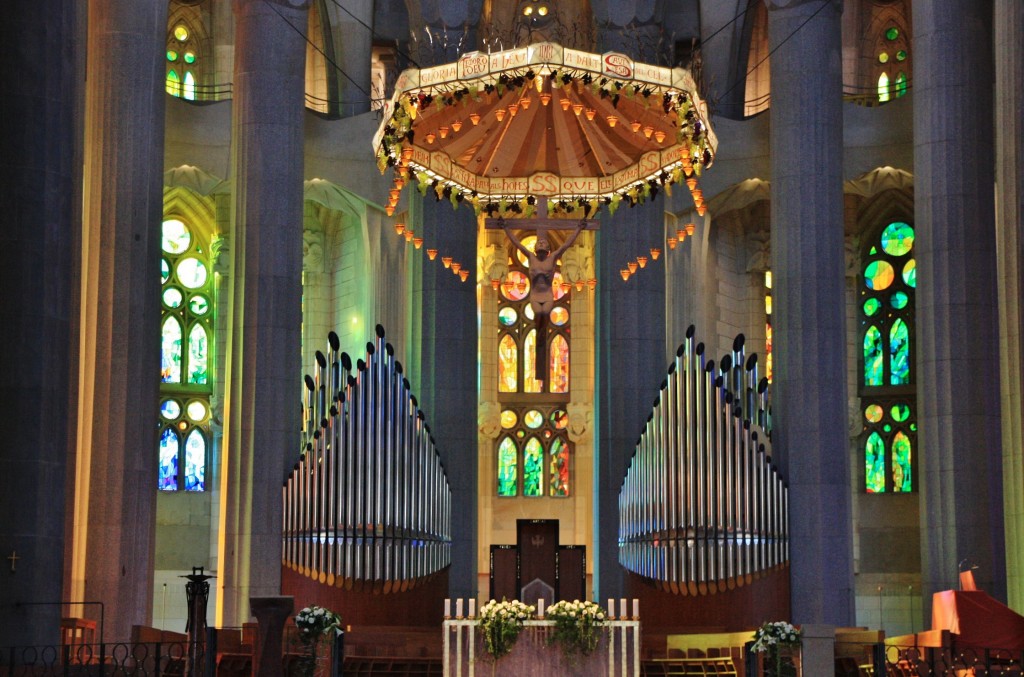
271 614
353 43
631 363
262 399
441 30
1009 50
809 384
959 463
631 27
36 267
115 512
448 374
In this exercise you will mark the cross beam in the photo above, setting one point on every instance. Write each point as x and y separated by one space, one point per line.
539 222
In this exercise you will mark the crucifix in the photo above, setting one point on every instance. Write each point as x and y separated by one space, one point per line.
542 268
13 558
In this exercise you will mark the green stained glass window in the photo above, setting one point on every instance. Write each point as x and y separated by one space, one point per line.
507 316
899 353
191 272
170 355
873 413
172 297
199 304
190 57
168 454
899 300
509 419
901 84
879 275
901 55
198 355
559 367
559 471
871 306
900 412
874 455
873 363
897 238
508 359
533 467
508 467
173 85
892 33
910 273
185 357
172 55
901 449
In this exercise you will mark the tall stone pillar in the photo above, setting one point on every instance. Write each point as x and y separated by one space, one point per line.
1009 64
354 44
809 384
960 463
448 373
115 511
36 198
263 381
448 350
631 27
631 363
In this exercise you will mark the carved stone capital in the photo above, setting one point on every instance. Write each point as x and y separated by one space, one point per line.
489 419
577 264
220 254
581 416
312 251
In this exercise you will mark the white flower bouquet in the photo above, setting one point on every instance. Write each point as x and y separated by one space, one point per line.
577 626
770 638
501 622
315 623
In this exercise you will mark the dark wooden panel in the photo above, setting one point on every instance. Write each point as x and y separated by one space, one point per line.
538 545
504 565
572 572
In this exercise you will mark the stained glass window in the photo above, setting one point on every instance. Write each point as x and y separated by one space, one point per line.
182 61
533 404
883 86
890 47
887 387
186 359
508 464
559 471
533 467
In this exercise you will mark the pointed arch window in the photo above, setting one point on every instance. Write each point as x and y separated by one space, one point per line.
887 384
185 358
891 55
184 59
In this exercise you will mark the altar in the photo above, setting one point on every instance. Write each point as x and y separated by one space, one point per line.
617 654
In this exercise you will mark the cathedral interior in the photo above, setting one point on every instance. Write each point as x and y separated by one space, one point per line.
194 203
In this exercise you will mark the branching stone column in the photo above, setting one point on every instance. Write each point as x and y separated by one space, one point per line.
262 399
115 516
960 462
631 363
1009 50
36 198
809 384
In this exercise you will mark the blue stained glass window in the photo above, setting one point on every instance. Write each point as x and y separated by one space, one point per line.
168 460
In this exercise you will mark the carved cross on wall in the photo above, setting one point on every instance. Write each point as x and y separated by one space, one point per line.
13 558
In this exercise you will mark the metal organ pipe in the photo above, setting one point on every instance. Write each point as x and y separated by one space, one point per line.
367 505
702 508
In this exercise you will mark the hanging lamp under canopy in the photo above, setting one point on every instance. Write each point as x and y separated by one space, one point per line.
579 129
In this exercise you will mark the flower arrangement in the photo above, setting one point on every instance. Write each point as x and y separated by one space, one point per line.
769 638
577 626
501 623
314 623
